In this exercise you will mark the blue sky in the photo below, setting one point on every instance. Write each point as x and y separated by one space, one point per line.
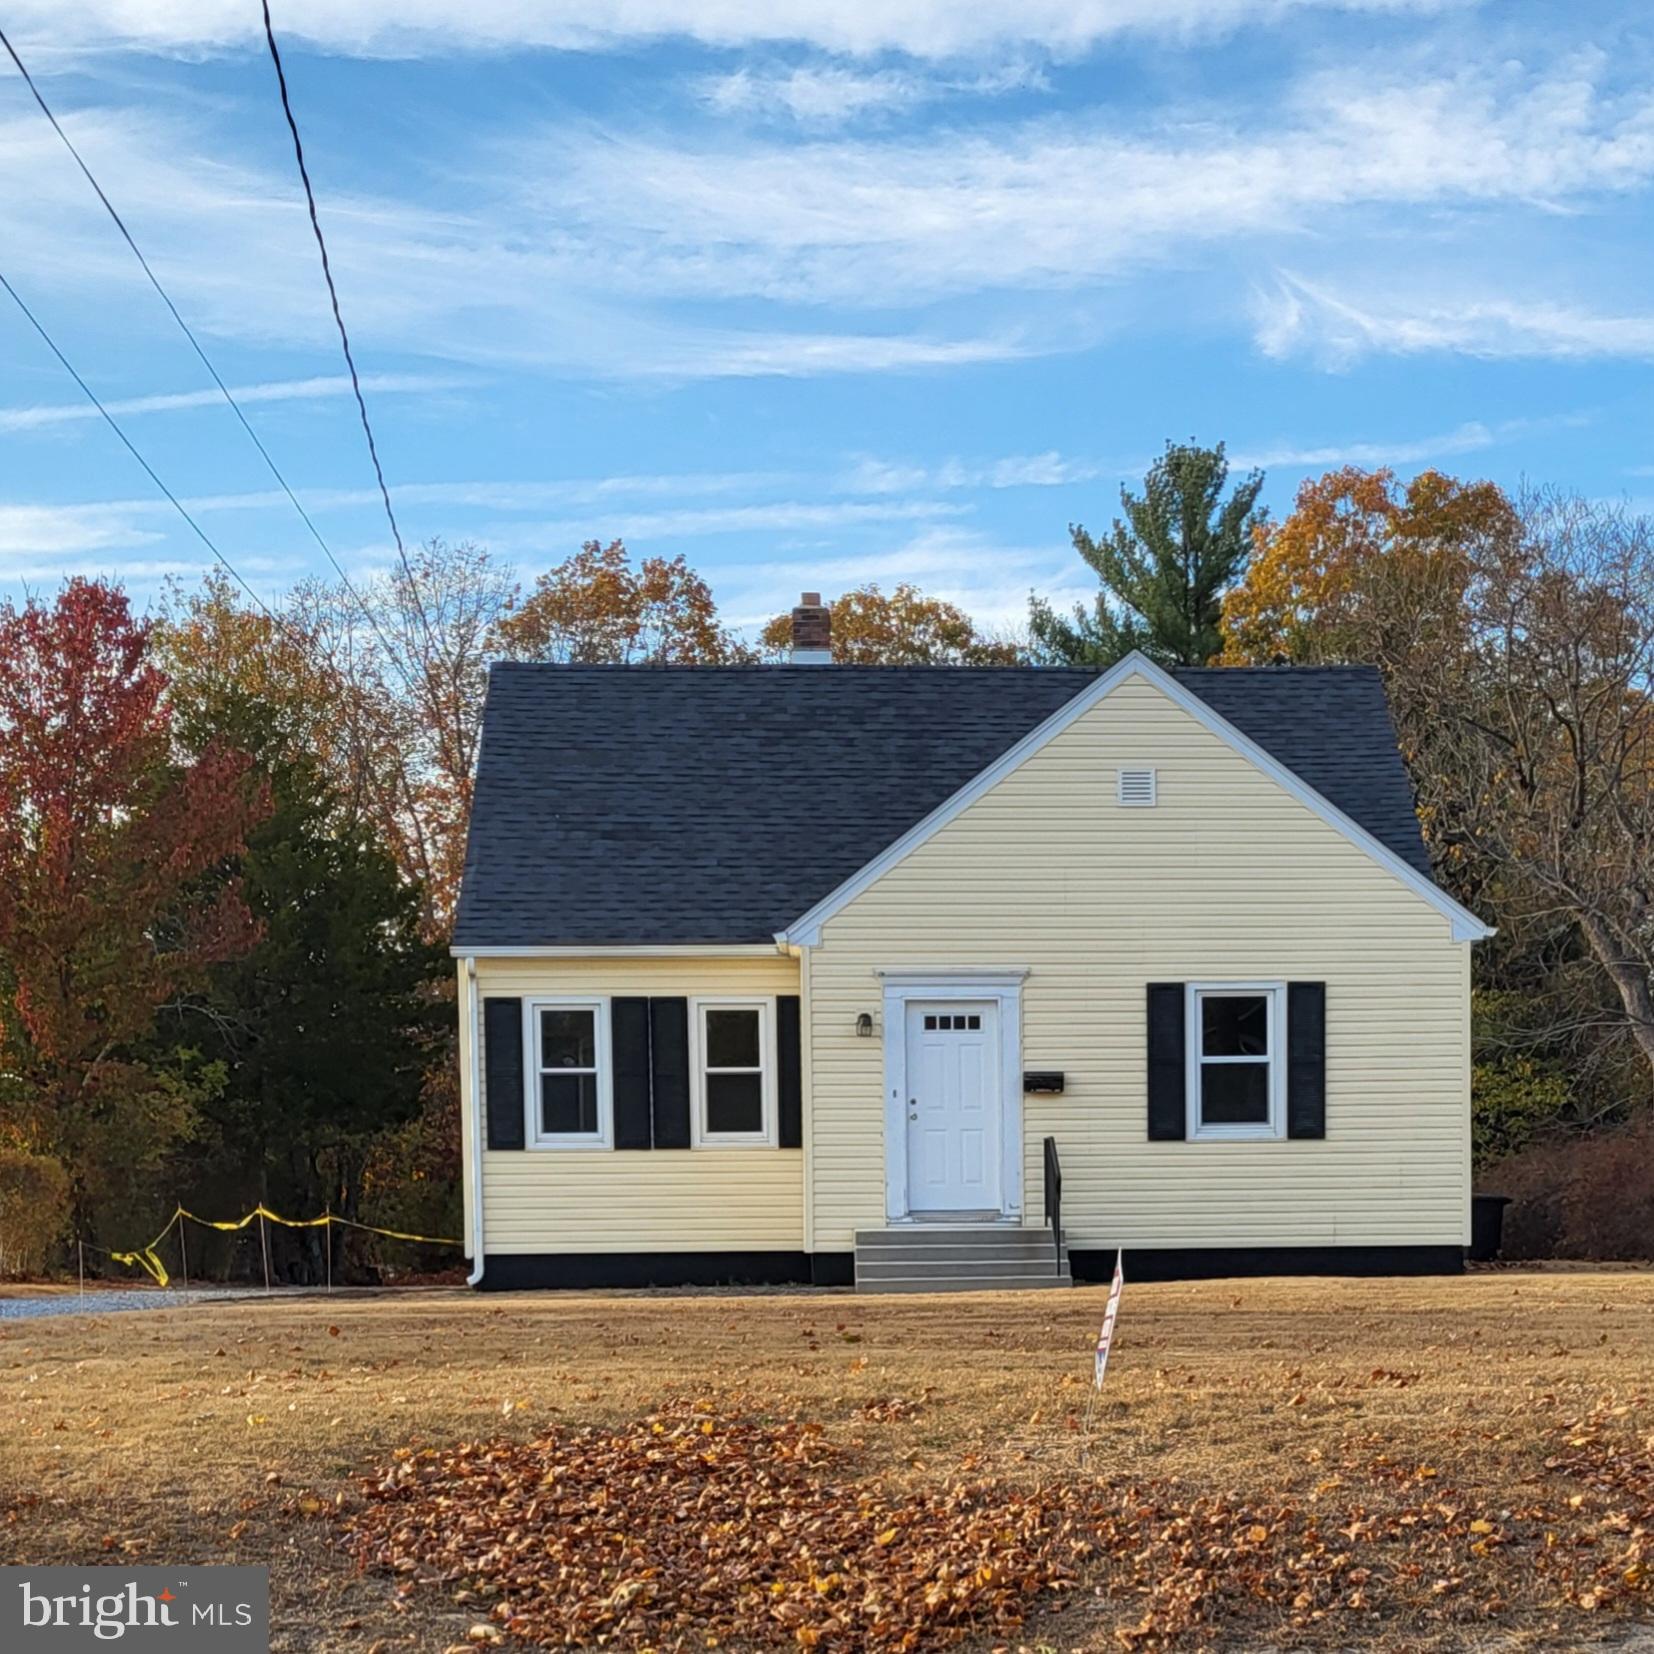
815 291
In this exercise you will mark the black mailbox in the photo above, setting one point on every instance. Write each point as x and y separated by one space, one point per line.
1042 1079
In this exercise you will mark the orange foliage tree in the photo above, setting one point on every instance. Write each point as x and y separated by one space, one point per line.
903 627
595 608
112 899
1364 569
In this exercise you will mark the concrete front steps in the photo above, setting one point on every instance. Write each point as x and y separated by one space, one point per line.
965 1257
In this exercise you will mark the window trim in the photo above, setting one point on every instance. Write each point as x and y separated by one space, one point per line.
699 1136
533 1136
1272 1130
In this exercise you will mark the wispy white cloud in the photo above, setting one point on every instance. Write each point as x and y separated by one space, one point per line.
871 475
1067 202
283 390
751 355
923 28
831 94
49 530
1300 317
232 245
1473 436
486 495
592 240
772 517
988 577
127 571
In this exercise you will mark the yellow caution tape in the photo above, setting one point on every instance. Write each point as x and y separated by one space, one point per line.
309 1223
146 1258
143 1259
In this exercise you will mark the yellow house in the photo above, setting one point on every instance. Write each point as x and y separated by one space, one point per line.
928 977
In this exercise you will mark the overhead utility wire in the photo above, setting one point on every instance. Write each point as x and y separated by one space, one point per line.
114 425
195 343
338 317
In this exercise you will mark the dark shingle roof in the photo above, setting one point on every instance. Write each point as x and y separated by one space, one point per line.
716 804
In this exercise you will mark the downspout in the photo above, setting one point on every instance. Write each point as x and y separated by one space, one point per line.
475 1065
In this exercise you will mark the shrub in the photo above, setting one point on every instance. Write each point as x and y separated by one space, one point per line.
1513 1100
1588 1197
34 1210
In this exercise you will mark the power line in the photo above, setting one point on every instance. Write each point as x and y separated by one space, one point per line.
114 425
206 361
338 317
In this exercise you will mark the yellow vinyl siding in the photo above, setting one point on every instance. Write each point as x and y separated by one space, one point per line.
1226 877
664 1200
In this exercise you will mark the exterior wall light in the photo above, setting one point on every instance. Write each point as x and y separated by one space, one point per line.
864 1025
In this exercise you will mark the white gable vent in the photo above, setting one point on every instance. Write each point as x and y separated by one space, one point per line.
1137 787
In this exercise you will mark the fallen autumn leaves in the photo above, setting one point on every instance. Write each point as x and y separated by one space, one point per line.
723 1528
689 1530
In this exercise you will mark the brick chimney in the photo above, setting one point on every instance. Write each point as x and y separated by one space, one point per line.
812 632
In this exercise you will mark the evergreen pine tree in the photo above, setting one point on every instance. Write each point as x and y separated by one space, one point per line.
328 1025
1162 571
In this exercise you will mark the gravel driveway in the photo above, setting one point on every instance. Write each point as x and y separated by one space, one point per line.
105 1300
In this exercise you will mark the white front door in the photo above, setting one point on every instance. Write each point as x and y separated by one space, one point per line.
953 1135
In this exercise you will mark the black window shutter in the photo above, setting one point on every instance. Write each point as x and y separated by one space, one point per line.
629 1048
789 1072
502 1043
1168 1064
669 1063
1306 1059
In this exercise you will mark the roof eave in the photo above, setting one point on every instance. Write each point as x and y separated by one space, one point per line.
628 950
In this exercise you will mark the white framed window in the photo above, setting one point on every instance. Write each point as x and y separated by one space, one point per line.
1236 1034
566 1063
732 1069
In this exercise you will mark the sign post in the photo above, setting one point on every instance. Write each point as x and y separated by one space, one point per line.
1106 1337
1105 1341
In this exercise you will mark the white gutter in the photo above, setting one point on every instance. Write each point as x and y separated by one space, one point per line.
476 1123
608 950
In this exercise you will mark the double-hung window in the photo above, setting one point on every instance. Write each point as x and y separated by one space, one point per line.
734 1078
1237 1069
569 1102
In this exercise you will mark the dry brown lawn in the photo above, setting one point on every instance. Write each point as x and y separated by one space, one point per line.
1457 1463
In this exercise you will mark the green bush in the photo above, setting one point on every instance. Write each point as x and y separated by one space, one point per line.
1512 1100
34 1210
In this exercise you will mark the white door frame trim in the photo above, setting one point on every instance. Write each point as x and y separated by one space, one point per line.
999 986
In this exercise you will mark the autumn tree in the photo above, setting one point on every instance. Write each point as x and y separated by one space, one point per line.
1162 570
385 681
326 1027
902 627
108 906
1368 570
596 608
1541 767
1365 568
1516 640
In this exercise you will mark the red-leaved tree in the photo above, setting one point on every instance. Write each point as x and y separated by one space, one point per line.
114 894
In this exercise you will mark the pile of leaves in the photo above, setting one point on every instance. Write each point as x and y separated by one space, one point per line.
686 1530
689 1529
1381 1542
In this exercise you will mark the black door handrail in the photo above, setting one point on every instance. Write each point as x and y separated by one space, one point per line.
1053 1196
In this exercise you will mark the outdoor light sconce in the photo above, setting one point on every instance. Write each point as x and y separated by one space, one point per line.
864 1025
